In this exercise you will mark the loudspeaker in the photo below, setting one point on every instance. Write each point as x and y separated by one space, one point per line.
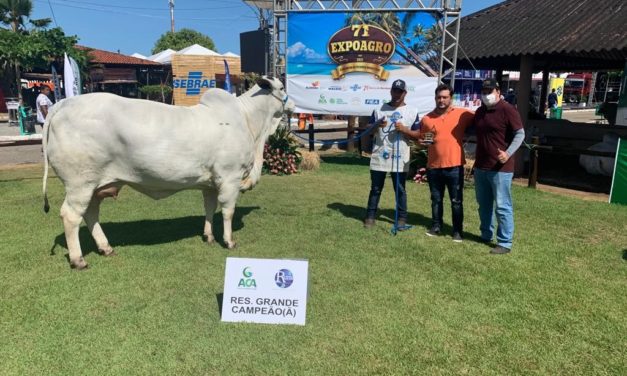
254 51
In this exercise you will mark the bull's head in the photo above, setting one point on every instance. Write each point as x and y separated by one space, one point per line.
277 90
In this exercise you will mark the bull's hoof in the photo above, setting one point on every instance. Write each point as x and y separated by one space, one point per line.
79 265
209 239
107 253
231 245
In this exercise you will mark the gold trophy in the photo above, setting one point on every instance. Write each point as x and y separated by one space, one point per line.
428 138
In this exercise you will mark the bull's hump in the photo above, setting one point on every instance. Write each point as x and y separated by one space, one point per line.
218 97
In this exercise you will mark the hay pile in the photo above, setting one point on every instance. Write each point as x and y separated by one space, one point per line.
310 162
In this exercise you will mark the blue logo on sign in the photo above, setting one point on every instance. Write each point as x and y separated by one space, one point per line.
193 83
355 87
284 278
372 101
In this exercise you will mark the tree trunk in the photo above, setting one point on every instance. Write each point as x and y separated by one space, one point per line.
18 81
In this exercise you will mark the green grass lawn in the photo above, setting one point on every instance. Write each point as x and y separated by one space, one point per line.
378 304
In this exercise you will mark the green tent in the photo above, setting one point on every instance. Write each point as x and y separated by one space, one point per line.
618 194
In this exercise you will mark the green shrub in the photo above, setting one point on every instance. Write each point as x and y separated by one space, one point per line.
158 93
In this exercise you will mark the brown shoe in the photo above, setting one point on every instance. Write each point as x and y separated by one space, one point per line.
369 222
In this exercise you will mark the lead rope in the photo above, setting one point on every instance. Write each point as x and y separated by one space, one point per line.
396 227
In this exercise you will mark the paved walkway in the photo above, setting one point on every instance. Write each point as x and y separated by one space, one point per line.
18 155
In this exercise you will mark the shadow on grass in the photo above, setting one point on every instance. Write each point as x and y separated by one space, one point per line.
350 159
220 299
419 221
384 215
156 231
625 254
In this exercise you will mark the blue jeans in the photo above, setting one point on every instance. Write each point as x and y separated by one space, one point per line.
451 178
377 179
491 187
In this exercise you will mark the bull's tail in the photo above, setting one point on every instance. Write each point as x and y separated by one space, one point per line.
44 143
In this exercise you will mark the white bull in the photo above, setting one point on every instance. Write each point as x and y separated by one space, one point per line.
98 143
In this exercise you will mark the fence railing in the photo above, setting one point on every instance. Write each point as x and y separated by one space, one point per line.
352 136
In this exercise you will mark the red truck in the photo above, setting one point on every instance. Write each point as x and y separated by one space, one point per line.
577 87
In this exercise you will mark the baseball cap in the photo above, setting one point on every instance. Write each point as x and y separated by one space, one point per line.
490 83
399 84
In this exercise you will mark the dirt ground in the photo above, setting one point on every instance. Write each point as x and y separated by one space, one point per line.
588 196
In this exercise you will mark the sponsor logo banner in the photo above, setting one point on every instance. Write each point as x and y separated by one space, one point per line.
193 83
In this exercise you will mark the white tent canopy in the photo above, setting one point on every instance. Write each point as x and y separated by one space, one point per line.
196 49
163 57
138 55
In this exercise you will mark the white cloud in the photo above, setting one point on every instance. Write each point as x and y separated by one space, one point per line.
298 49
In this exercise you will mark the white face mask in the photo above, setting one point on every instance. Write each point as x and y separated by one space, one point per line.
489 100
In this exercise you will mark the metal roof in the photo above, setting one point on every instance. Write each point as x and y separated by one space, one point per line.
560 34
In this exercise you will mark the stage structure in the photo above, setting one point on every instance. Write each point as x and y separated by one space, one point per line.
295 21
449 12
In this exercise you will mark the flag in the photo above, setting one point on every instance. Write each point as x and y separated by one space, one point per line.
227 79
57 86
71 77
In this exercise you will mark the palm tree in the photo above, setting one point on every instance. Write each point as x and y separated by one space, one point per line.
399 29
15 13
428 44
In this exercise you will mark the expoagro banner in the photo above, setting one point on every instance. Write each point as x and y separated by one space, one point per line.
345 62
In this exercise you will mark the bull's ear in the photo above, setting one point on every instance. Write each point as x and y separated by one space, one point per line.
264 83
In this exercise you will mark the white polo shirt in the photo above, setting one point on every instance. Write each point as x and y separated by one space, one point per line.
385 156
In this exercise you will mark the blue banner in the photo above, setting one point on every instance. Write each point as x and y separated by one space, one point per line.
227 79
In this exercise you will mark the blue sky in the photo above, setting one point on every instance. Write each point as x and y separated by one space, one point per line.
135 26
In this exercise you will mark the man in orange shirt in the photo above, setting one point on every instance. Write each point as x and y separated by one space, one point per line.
443 130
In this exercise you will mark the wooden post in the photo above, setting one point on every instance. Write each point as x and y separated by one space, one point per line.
533 163
524 90
350 132
544 90
311 137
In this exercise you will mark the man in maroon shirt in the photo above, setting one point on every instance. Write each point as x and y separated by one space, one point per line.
500 133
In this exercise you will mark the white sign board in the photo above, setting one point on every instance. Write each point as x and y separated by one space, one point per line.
268 291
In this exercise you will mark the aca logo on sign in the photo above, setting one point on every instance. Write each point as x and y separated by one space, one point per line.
284 278
248 282
372 101
193 83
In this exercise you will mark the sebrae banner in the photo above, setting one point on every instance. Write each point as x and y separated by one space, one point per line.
345 63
